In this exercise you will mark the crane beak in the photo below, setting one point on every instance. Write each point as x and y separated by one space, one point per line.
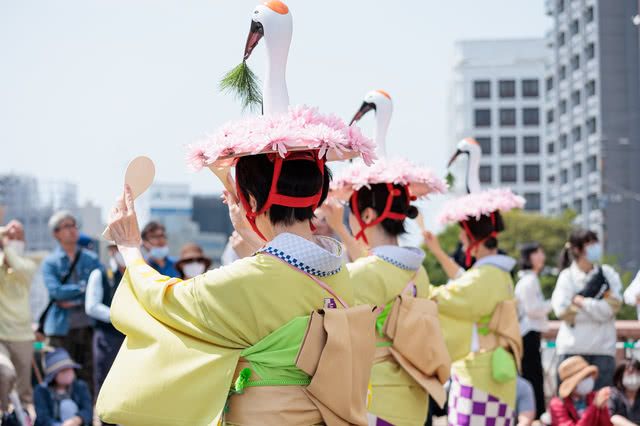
453 158
255 34
364 108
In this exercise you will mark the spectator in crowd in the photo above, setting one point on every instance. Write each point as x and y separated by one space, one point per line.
632 294
156 250
533 312
577 404
106 339
587 297
624 404
16 336
525 403
192 261
66 272
62 400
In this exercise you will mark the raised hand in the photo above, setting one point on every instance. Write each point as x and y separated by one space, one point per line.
123 222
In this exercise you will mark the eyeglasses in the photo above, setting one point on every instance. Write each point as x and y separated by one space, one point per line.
67 226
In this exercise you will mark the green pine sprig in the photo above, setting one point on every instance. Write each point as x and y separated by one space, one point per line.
450 179
244 85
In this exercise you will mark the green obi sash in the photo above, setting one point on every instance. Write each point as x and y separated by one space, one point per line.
273 358
382 318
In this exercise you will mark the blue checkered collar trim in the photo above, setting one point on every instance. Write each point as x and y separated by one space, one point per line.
409 258
322 258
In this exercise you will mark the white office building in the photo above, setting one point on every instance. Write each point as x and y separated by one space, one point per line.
496 97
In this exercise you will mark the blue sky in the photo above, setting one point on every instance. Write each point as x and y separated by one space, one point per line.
86 85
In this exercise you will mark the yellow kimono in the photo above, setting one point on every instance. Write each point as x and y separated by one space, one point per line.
185 338
378 280
465 305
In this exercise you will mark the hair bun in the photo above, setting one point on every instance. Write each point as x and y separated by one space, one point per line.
412 212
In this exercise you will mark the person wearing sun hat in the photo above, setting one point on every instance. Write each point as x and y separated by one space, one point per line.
231 345
62 399
192 261
577 403
385 274
478 313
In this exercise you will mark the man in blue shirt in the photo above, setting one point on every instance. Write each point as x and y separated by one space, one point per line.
156 250
66 272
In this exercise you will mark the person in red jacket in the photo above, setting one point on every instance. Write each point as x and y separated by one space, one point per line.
577 403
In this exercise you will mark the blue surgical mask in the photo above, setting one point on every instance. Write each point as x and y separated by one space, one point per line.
593 252
159 252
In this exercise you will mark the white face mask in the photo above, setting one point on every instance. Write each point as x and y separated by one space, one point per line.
585 387
159 253
192 269
17 246
631 381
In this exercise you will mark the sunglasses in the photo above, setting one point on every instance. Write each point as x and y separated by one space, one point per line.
195 259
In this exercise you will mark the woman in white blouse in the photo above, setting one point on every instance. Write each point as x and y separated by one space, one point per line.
533 312
587 297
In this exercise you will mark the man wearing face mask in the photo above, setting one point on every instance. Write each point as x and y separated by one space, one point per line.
577 404
624 404
16 336
101 288
156 250
192 261
587 297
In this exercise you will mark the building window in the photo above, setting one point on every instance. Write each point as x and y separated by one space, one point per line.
530 88
563 107
563 142
530 116
485 145
485 174
590 51
592 164
591 126
588 14
507 116
574 28
577 206
560 6
592 202
551 148
508 174
575 62
507 88
577 170
550 116
531 145
564 176
576 134
562 73
575 98
482 89
533 201
507 145
531 173
591 88
482 117
562 39
549 83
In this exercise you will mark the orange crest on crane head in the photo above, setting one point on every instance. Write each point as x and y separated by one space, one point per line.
277 6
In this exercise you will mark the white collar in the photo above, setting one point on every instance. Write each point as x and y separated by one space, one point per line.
409 258
500 261
321 259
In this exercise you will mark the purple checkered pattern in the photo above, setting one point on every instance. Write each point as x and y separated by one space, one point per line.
469 406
